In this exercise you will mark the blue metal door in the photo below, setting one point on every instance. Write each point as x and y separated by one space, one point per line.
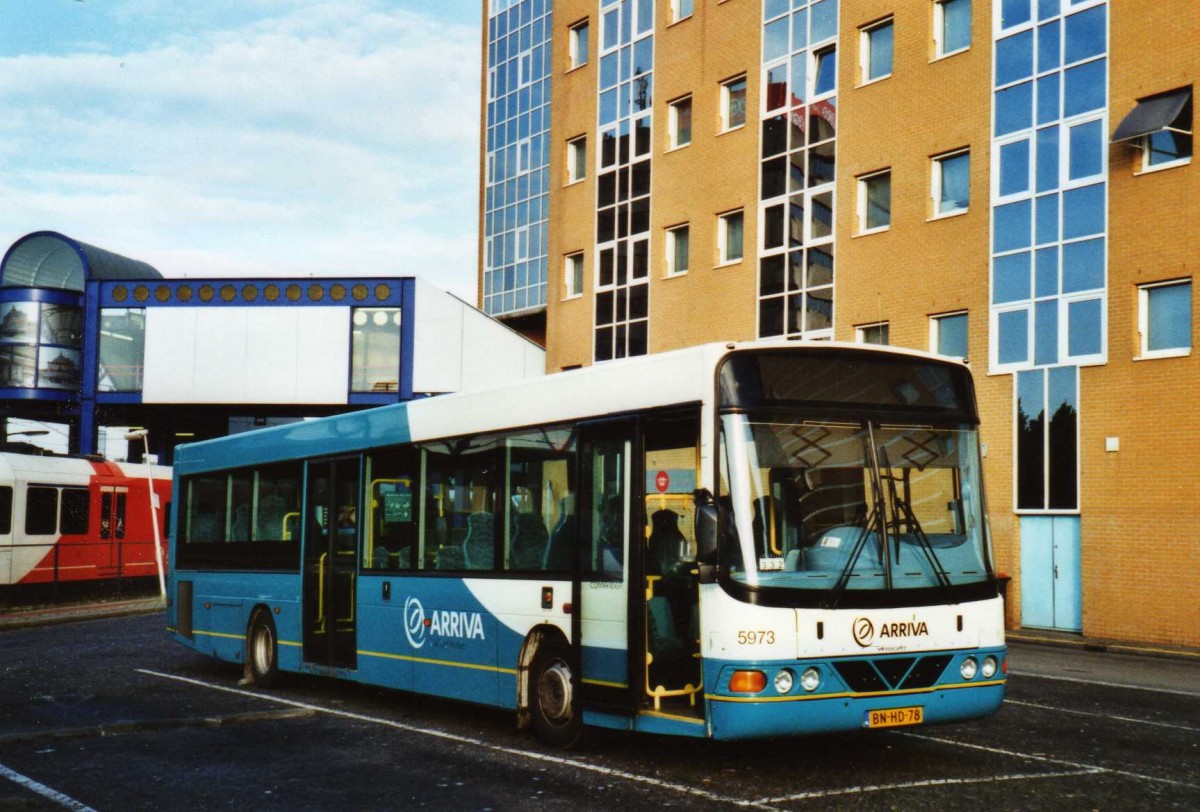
1050 573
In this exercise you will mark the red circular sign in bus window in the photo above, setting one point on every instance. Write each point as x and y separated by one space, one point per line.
662 481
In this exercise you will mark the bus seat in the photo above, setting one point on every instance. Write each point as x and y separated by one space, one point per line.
662 639
791 561
529 542
479 545
665 543
558 551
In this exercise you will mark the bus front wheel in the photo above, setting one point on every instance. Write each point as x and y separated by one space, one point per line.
553 702
262 650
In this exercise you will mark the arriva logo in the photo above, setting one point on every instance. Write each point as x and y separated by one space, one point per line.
864 630
443 623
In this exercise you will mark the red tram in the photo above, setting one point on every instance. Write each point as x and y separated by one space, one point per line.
78 519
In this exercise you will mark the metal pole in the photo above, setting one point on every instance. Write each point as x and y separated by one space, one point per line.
158 560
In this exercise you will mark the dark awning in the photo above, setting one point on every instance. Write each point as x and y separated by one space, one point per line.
1153 115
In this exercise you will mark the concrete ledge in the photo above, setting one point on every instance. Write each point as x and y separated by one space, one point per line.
1065 639
26 617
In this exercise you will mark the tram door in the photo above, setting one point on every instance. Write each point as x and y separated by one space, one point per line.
331 544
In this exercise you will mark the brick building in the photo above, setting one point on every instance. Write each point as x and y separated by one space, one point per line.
1005 180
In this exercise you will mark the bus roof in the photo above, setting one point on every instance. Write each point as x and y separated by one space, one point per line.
663 379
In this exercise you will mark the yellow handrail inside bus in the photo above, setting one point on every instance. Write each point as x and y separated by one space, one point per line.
283 531
658 692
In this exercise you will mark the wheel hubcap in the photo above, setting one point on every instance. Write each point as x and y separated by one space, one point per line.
554 693
262 650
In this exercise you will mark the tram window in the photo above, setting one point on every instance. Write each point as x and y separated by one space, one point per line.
390 531
5 510
540 503
73 516
41 511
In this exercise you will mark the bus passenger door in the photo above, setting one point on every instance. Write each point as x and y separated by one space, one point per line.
331 562
606 500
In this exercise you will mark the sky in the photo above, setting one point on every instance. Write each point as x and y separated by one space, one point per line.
247 137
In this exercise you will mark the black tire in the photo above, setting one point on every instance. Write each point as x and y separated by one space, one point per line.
262 650
553 696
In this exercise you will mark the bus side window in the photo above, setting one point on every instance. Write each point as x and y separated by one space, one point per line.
390 528
6 502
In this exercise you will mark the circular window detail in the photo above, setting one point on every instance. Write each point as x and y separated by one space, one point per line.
249 293
228 293
382 292
337 292
141 293
271 293
120 293
359 292
184 293
315 292
206 293
162 293
293 293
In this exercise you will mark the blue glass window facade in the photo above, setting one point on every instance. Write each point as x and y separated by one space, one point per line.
1049 196
798 141
517 177
626 95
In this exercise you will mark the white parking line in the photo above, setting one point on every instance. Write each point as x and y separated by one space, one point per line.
439 734
1047 760
65 801
932 782
1094 715
1081 681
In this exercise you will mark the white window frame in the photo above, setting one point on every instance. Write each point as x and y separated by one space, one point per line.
1144 352
994 365
815 55
865 48
863 182
860 333
672 234
576 148
572 262
673 121
723 221
676 16
939 31
1144 145
521 244
1065 181
1064 330
524 66
935 328
726 98
936 183
1031 170
577 57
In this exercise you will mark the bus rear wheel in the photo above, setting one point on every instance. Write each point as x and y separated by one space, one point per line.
262 650
553 702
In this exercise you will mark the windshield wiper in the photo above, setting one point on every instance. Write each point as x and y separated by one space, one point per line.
835 594
903 516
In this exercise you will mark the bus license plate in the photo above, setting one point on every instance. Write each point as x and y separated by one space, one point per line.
895 717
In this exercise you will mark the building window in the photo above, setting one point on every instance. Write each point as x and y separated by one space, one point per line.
1171 145
578 45
875 201
1047 450
122 349
681 10
680 122
733 103
729 237
873 333
677 250
824 71
1165 319
951 178
951 26
875 44
948 335
573 274
375 349
577 159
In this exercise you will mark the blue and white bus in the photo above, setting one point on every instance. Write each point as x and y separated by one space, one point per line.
729 541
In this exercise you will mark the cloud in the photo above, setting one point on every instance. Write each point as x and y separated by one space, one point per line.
303 136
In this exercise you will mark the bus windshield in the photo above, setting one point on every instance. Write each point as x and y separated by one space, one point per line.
831 507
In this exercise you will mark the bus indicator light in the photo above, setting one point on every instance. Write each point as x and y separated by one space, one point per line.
747 682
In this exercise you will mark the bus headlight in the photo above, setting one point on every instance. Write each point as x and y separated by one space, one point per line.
969 668
810 680
989 667
784 681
